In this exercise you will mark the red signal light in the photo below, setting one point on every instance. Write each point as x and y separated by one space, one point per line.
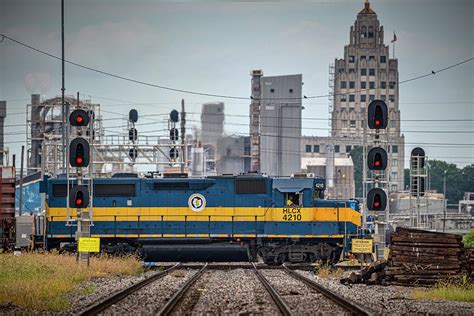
78 202
377 163
376 204
79 160
79 119
377 122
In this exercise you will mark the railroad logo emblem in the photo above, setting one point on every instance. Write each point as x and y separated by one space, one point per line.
197 202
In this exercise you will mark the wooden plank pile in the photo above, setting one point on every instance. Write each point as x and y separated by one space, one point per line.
420 257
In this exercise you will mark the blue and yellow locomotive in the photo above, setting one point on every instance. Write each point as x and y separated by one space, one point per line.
278 219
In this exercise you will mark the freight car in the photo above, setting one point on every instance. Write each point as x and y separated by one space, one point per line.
212 218
7 208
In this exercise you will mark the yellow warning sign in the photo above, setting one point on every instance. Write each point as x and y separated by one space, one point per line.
362 245
89 244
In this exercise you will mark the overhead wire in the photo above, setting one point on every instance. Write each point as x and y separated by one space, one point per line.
432 72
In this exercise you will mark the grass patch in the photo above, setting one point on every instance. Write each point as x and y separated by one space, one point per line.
89 290
453 290
41 281
326 272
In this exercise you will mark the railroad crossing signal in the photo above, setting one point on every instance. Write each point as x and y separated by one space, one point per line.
376 200
378 115
79 153
79 118
377 159
79 196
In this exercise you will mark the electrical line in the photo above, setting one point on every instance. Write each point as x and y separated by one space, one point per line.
330 119
332 129
211 94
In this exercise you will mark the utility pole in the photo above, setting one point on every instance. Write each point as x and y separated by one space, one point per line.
444 200
21 180
183 137
63 89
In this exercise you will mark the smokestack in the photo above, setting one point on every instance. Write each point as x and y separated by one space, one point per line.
3 114
35 156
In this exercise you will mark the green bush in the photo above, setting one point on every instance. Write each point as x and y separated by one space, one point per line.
468 239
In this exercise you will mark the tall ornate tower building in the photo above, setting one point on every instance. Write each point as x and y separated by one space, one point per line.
364 74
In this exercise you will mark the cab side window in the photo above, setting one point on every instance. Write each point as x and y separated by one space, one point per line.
293 199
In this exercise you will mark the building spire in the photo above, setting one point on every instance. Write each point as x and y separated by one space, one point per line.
367 9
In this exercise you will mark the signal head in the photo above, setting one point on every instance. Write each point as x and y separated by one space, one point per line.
79 153
377 159
376 200
133 116
79 196
174 116
377 115
79 117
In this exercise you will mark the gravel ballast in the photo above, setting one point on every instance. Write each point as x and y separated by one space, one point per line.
149 299
300 297
228 292
393 300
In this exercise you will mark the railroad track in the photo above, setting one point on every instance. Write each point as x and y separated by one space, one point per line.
284 307
174 301
103 304
343 302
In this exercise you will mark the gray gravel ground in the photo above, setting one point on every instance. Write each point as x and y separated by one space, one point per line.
228 292
392 300
149 299
299 297
96 289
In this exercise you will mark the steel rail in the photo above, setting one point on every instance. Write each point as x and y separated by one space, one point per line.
178 296
282 306
103 304
345 303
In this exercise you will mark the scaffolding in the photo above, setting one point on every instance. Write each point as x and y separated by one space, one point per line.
330 95
44 133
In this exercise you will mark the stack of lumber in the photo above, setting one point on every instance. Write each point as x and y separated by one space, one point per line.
420 257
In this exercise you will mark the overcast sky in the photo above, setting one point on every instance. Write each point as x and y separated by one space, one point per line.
211 47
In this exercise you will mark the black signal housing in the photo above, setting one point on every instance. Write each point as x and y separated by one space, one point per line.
79 153
79 118
377 115
377 159
79 197
376 200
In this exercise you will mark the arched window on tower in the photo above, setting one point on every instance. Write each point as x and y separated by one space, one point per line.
363 32
371 31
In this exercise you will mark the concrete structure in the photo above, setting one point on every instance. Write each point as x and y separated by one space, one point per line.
342 177
366 72
212 122
255 112
233 155
280 124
